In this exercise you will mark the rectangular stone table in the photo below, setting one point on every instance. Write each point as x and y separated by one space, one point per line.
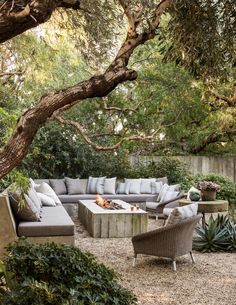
102 222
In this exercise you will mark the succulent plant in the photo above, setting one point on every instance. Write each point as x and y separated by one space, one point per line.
218 234
208 186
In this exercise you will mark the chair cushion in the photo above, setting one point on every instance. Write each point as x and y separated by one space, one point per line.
180 213
54 222
168 195
152 205
110 186
163 190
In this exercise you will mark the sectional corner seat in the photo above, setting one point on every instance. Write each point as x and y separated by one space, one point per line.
55 225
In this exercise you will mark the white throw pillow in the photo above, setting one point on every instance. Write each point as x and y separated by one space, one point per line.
46 189
123 188
156 187
32 183
178 214
110 186
168 195
46 200
34 198
162 191
146 186
135 185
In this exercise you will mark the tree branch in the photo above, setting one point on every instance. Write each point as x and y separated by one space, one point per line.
231 101
114 108
88 140
19 16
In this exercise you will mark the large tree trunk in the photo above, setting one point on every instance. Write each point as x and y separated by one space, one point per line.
20 15
97 86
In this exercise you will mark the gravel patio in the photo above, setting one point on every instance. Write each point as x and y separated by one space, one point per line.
211 281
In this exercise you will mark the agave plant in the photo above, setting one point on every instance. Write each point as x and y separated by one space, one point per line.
218 234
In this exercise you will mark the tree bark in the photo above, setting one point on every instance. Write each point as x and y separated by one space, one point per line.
20 15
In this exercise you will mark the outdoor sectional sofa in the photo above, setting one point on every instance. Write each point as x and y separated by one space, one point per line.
55 223
69 198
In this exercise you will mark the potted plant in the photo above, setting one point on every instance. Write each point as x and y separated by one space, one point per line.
208 190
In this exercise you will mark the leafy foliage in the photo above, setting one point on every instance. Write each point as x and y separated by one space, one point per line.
202 35
60 275
218 234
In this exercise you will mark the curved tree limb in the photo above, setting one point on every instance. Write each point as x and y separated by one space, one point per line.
88 140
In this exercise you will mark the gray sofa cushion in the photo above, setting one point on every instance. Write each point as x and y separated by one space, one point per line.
54 222
58 186
128 198
75 186
27 211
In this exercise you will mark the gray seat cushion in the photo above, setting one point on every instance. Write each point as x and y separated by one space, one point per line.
128 198
54 222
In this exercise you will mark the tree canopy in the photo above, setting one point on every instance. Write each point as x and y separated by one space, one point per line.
198 34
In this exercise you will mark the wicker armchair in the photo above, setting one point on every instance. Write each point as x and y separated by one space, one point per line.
169 241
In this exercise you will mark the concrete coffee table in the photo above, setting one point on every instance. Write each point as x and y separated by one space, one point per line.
102 222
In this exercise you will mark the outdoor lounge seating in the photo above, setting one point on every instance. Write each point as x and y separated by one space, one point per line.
55 225
170 241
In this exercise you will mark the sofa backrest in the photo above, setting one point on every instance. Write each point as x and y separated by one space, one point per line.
8 231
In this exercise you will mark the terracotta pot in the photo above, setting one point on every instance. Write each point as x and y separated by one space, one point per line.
208 195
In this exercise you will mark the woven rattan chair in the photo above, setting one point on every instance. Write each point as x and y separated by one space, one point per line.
170 241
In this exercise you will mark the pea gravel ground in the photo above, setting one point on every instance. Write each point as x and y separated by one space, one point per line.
211 281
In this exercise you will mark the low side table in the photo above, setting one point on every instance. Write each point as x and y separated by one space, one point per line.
204 207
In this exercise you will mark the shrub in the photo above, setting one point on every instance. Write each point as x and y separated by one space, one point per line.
228 188
175 170
217 235
54 274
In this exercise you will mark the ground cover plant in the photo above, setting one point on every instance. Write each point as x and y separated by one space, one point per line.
55 274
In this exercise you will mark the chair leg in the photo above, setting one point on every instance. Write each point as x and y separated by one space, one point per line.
174 265
134 259
192 258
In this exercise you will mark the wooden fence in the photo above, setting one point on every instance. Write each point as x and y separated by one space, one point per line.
198 164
